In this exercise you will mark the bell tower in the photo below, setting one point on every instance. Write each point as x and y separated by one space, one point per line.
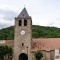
23 36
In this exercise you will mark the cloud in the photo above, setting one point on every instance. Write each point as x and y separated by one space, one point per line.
7 14
50 24
7 17
43 12
4 24
58 18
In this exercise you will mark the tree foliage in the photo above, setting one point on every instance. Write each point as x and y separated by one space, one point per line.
38 55
37 32
45 32
7 33
5 51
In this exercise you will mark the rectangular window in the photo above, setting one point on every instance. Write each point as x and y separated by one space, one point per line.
20 22
25 22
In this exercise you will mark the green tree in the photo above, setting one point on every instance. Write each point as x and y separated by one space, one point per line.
5 51
38 55
10 52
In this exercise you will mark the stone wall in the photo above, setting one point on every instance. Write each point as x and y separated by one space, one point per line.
47 55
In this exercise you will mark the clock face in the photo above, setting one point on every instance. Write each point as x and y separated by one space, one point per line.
22 32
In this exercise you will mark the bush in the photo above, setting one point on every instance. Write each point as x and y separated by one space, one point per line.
38 55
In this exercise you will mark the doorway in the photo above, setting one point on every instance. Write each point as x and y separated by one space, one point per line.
23 56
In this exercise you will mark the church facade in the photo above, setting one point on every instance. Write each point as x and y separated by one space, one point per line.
24 46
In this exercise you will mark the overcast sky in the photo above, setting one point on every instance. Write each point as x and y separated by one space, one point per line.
43 12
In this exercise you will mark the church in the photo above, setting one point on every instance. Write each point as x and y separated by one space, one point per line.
24 46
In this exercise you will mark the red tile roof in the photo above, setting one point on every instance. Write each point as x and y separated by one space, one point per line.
9 42
41 44
46 44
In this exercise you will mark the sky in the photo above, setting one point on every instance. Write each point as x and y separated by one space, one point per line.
43 12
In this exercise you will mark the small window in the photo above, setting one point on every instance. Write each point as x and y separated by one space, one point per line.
22 44
20 22
25 22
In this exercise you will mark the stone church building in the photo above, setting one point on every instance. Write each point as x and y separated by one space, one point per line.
25 46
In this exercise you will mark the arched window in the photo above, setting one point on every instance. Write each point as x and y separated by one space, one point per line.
25 22
20 22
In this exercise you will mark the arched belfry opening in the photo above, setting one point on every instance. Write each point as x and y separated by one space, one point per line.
23 56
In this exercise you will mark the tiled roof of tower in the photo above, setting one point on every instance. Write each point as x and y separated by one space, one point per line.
23 13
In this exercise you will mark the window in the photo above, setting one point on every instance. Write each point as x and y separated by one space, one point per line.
22 44
20 22
25 22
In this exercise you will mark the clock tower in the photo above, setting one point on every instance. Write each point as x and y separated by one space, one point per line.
23 36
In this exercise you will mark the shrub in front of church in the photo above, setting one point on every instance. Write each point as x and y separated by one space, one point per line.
38 55
5 52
